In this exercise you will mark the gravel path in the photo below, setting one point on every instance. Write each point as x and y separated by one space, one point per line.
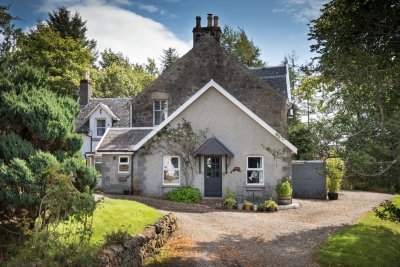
284 238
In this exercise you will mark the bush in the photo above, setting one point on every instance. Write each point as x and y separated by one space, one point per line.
388 211
13 146
84 177
247 203
116 237
184 195
269 205
230 201
284 188
334 173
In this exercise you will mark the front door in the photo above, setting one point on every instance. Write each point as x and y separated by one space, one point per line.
212 176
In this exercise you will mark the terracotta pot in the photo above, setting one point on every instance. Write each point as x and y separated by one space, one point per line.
247 208
333 196
284 200
229 206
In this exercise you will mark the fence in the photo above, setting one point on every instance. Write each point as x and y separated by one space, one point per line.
309 180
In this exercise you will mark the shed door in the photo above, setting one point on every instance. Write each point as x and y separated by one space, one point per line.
212 176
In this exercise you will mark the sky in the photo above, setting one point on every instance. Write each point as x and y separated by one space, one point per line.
142 29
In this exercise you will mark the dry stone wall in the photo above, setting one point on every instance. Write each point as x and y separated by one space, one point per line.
137 248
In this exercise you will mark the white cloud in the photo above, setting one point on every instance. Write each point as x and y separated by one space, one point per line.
301 10
148 8
124 31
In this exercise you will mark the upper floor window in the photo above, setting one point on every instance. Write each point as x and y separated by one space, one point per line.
100 127
255 170
160 111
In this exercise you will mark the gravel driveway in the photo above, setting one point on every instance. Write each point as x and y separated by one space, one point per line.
284 238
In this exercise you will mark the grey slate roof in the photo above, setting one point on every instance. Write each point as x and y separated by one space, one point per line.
122 139
119 106
274 77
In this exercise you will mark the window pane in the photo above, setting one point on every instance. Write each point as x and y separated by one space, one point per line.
255 177
157 105
123 160
157 117
171 177
101 123
254 162
171 163
163 105
124 168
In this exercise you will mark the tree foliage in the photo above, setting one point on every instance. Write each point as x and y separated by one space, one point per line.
109 58
168 58
67 25
9 32
239 46
65 59
359 46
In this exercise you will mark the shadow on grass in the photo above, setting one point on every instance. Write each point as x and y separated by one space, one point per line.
362 245
294 249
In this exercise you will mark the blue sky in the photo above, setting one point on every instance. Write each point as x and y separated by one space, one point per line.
141 29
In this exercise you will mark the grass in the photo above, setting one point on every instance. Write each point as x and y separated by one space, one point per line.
111 215
370 242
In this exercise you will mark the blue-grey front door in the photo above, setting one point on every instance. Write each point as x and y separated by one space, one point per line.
212 176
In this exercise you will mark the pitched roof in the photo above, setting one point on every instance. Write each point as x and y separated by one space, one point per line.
212 146
106 109
206 61
121 139
277 77
213 84
119 107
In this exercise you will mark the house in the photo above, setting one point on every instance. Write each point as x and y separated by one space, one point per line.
244 111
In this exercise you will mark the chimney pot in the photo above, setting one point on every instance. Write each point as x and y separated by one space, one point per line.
215 21
198 22
85 89
209 20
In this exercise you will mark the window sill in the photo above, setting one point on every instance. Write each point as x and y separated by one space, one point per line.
170 185
255 187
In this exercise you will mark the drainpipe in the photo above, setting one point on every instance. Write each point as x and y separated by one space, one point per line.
132 174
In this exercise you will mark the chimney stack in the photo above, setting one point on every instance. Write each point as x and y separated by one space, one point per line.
85 90
199 32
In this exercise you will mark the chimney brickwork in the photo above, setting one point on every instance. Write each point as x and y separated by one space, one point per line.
199 31
85 90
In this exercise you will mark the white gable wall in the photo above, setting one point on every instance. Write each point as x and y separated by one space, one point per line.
236 130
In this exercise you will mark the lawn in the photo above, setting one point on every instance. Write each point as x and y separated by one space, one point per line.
111 215
370 242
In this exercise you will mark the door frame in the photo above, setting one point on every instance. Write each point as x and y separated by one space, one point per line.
205 173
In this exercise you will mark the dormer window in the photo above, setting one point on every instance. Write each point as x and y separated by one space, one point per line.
160 111
100 127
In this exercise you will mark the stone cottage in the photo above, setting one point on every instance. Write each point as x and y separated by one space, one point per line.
244 111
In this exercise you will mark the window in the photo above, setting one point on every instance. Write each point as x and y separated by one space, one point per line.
123 164
255 170
160 111
100 127
98 164
171 170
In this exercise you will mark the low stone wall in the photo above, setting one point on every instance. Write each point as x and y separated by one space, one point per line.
134 250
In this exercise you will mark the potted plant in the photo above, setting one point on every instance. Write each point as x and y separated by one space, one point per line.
334 173
247 205
229 202
284 191
268 205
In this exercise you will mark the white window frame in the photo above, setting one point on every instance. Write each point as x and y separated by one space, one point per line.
159 110
124 163
96 127
173 169
255 169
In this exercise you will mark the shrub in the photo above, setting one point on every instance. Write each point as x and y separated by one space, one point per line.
388 211
269 205
230 201
13 146
334 173
84 177
247 203
118 237
184 195
284 188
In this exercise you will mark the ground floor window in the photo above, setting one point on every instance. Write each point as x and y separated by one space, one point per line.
123 164
255 170
98 164
171 168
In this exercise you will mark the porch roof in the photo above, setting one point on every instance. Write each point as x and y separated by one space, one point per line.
212 146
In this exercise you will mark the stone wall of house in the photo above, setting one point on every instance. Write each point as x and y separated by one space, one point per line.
112 181
137 248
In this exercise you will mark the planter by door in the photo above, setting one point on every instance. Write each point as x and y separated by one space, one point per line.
212 176
333 196
284 200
